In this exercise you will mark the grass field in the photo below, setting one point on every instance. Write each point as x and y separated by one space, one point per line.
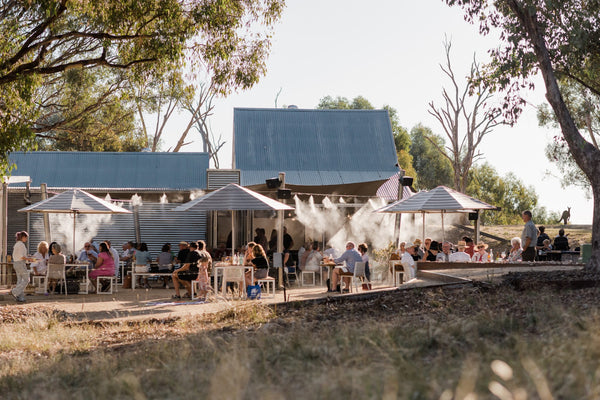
471 343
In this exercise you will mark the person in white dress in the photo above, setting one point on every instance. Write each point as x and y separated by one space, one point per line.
20 257
408 261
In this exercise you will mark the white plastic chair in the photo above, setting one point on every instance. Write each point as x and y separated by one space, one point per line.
234 275
56 271
359 274
308 273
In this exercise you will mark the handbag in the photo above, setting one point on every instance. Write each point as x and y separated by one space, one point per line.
253 292
127 282
366 286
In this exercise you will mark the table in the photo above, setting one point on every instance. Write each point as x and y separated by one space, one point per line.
223 266
435 265
330 266
77 267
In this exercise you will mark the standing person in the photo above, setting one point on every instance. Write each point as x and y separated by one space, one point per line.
288 242
273 241
19 256
362 249
408 260
261 238
41 259
528 237
187 273
204 283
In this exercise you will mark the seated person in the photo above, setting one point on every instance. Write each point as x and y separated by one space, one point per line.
516 252
561 242
143 258
432 251
87 254
444 255
187 273
541 237
351 256
470 247
105 266
419 253
460 255
249 254
313 261
260 263
165 259
480 255
56 258
41 259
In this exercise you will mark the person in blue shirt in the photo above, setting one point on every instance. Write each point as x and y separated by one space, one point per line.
87 254
351 256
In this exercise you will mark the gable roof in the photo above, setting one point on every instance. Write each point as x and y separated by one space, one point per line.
112 170
313 147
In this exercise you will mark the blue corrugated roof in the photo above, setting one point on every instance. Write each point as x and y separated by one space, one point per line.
313 147
104 170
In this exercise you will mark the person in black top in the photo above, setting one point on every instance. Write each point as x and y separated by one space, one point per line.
288 242
542 236
431 254
187 273
561 242
261 265
182 254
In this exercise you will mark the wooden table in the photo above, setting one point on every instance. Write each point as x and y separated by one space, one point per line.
435 265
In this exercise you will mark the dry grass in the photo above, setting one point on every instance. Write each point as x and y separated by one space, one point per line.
423 344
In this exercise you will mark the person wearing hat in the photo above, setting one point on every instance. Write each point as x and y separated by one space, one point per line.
407 260
182 254
480 255
460 255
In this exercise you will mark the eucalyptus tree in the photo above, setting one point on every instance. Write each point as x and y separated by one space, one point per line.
41 40
556 39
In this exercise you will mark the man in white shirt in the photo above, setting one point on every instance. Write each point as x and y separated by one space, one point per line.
408 262
460 255
444 255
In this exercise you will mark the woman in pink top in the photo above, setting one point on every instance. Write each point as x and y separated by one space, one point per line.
105 264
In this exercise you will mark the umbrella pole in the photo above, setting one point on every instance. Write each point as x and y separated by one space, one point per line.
74 222
232 233
443 230
423 230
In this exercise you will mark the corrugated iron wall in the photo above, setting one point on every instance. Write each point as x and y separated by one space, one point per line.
158 223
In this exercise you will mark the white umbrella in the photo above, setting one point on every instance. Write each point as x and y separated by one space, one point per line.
233 198
74 201
439 200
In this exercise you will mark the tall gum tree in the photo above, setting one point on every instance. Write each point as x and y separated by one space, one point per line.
41 39
556 39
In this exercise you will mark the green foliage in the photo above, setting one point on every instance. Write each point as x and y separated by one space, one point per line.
584 107
432 169
51 49
507 192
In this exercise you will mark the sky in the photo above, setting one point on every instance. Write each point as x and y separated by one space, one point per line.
389 51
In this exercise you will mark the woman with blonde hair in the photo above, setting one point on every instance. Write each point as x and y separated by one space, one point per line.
261 265
41 259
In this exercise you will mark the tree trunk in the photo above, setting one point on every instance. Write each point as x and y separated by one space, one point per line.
584 153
